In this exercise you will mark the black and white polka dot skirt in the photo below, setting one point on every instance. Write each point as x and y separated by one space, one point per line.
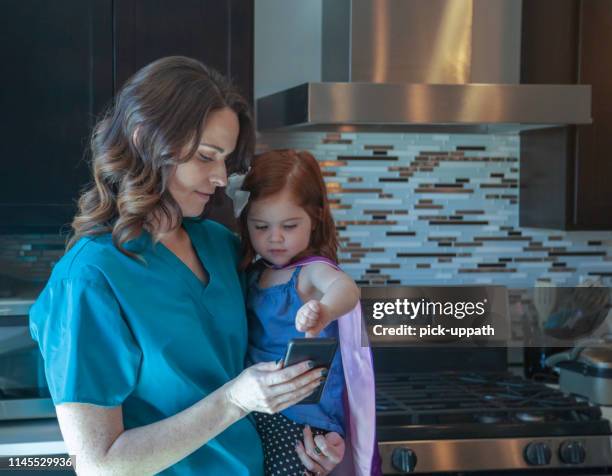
278 435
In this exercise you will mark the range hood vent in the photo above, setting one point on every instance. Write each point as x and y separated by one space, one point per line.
423 65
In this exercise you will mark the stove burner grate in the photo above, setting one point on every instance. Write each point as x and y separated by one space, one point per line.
486 403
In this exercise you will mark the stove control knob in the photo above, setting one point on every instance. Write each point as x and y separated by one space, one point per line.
537 454
572 452
403 459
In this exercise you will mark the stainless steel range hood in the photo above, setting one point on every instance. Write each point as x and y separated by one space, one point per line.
422 65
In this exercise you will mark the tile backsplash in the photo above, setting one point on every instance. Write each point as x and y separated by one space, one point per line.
412 209
434 208
26 261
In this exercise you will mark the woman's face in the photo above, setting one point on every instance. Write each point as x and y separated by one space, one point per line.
194 181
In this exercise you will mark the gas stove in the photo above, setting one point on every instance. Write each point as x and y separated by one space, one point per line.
467 421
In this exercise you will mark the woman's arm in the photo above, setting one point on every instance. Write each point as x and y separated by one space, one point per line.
96 436
102 446
339 293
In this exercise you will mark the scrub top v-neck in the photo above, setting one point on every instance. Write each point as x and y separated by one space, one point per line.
187 274
149 335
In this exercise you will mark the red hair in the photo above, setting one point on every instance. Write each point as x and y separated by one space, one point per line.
270 173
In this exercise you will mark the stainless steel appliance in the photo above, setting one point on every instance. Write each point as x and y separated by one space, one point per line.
589 374
459 411
486 421
421 65
23 387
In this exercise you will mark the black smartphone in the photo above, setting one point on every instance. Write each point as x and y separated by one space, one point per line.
320 350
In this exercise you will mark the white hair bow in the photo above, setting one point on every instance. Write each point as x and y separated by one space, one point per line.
233 190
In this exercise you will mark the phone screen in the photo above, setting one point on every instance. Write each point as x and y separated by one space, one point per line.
320 350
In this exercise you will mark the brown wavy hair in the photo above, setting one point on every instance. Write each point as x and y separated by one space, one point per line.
270 173
159 113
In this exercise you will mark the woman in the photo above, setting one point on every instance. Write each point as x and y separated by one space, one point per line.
142 324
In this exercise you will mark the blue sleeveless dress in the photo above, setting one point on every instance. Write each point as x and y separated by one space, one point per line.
271 315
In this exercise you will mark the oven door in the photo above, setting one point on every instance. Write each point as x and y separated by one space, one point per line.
23 388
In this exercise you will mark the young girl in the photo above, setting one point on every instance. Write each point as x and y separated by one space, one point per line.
295 289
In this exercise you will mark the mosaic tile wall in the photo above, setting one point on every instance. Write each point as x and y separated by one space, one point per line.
412 209
441 209
25 263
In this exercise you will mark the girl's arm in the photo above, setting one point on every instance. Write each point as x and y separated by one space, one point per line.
339 292
102 446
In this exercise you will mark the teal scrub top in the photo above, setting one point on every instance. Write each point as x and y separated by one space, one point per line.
150 336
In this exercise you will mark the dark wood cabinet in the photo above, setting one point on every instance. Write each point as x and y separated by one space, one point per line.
217 32
566 172
594 142
63 61
56 76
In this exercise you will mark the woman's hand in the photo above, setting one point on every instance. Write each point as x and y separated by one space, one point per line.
268 388
322 453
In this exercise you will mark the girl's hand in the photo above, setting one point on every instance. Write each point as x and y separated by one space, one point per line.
268 388
311 318
322 453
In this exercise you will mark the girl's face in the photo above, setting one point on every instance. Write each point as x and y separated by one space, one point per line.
194 181
279 228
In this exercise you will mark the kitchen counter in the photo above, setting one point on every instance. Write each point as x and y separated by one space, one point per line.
31 437
43 437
